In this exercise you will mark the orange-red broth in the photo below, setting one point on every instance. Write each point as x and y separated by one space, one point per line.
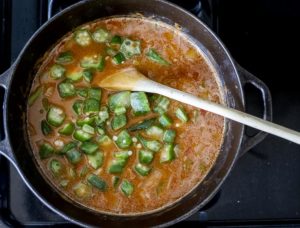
198 141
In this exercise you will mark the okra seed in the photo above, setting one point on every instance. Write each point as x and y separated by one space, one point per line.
58 111
115 138
59 143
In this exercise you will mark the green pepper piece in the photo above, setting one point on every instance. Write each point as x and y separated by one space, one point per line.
55 166
91 62
89 147
67 147
82 92
73 155
67 129
97 182
165 120
120 99
100 130
169 136
181 114
118 58
46 150
82 37
104 140
101 64
149 144
146 156
91 105
116 166
167 154
116 40
139 103
115 181
96 160
86 120
124 155
153 145
75 76
153 97
66 89
99 123
101 35
88 129
87 75
155 57
77 107
142 125
57 71
55 116
124 140
94 93
162 104
103 114
155 132
82 190
35 95
46 104
142 169
120 110
46 128
129 48
126 187
65 58
118 122
82 136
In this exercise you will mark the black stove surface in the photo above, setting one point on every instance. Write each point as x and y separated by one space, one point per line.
263 188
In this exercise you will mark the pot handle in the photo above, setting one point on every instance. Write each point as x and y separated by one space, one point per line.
248 78
4 144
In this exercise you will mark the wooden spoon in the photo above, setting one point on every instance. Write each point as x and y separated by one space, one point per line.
131 79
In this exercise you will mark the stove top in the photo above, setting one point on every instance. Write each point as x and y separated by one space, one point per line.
263 188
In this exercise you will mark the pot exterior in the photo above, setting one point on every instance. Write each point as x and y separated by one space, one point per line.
23 74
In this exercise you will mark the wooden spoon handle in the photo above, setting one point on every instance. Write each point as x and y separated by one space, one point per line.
241 117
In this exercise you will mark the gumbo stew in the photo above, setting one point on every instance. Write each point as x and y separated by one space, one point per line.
123 152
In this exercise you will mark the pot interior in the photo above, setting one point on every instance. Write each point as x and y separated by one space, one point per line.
88 11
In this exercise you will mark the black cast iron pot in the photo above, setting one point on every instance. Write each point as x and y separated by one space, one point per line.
17 80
